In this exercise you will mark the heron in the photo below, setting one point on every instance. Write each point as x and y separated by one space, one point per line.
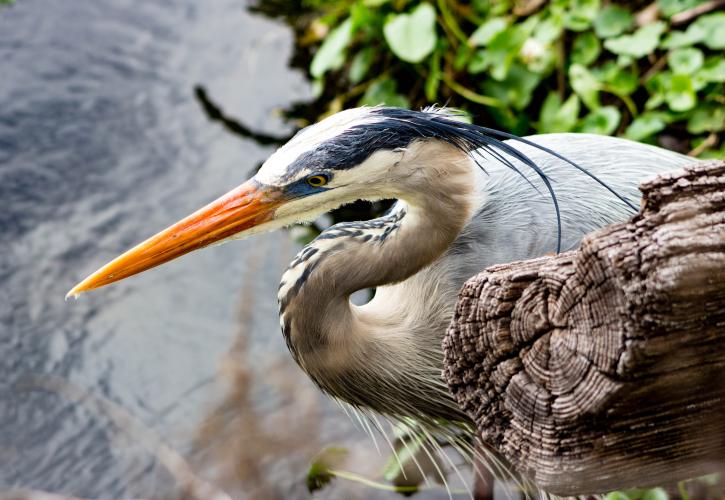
467 197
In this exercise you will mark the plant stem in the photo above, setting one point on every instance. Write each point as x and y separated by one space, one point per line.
451 22
351 476
470 94
683 490
709 142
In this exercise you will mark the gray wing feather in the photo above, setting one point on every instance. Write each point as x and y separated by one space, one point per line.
516 221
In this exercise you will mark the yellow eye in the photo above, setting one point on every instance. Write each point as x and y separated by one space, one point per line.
317 180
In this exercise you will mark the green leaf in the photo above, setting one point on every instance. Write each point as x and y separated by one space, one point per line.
676 39
680 93
516 89
641 43
656 86
707 119
612 21
618 80
549 30
362 16
487 31
604 121
586 49
479 62
713 70
671 7
685 61
581 14
412 37
384 91
505 47
646 125
360 64
555 117
655 494
585 85
463 55
616 495
331 54
714 27
318 475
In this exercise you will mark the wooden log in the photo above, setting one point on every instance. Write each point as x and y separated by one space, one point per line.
604 368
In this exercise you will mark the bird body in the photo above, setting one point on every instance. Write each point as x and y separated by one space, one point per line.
448 225
466 200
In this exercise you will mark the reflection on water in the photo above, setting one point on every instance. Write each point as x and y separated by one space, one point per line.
103 143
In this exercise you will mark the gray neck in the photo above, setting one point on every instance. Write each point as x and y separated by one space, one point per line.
362 354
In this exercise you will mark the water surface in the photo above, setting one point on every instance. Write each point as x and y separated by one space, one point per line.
102 143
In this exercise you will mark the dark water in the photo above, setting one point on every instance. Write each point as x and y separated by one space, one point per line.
102 143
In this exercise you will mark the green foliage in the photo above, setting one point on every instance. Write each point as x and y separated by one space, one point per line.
320 472
412 37
650 494
568 65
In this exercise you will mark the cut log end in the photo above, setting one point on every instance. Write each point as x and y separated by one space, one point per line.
604 368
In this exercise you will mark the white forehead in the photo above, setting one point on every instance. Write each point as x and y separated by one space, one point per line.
309 138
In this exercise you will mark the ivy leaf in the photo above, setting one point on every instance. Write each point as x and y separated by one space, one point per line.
604 121
485 32
639 44
713 70
581 14
412 37
360 64
707 119
680 93
384 91
685 61
585 85
671 7
330 55
714 27
616 495
505 46
463 55
549 30
617 80
479 62
646 125
676 39
656 86
612 21
318 475
558 117
516 89
586 49
655 494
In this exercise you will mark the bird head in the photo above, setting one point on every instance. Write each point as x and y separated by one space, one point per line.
355 154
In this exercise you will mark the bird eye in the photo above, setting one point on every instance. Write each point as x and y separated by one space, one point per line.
317 180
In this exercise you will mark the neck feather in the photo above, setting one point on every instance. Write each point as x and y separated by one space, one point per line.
347 350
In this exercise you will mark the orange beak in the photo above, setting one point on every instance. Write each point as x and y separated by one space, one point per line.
242 208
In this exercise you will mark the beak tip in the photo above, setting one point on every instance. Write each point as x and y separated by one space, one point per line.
75 291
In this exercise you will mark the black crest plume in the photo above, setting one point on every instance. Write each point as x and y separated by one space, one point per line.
437 123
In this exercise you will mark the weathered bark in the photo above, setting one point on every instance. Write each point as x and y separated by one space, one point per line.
604 368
